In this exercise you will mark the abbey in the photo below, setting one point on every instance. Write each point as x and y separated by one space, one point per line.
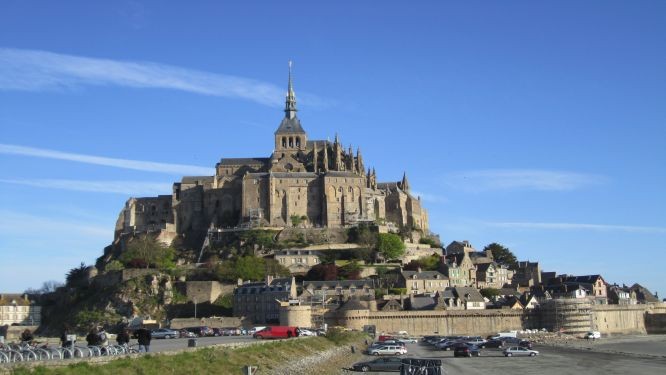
304 182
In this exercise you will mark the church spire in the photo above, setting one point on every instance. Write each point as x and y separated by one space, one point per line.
404 184
290 103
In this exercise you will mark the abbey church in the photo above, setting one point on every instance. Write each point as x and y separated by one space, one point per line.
305 182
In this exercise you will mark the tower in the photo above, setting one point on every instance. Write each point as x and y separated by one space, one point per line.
290 135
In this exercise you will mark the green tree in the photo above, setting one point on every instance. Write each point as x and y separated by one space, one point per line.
250 268
274 268
502 255
390 245
77 276
150 251
351 271
114 265
489 292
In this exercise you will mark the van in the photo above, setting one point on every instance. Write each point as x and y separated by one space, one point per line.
277 332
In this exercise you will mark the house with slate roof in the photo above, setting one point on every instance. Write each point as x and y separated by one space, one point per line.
420 282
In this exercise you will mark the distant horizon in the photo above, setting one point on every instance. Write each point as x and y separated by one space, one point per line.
538 126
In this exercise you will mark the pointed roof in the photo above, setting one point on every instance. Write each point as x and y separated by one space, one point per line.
290 123
404 184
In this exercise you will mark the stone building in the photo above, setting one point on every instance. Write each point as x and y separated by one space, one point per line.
420 282
316 183
297 261
256 302
19 309
527 274
492 275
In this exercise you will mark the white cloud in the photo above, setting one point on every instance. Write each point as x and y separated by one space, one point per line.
15 224
32 70
577 226
521 179
133 188
434 198
110 162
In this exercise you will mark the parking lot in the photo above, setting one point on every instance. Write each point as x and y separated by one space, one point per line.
621 355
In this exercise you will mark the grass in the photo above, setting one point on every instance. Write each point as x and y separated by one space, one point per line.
218 360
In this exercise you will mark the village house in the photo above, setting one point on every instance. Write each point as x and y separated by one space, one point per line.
420 282
19 309
297 261
257 301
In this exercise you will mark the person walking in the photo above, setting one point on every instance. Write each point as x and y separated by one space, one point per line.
144 336
123 337
65 337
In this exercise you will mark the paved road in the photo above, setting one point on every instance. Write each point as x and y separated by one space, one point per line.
160 345
602 358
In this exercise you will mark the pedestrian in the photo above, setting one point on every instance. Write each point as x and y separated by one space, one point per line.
123 337
27 336
65 337
103 337
144 336
93 337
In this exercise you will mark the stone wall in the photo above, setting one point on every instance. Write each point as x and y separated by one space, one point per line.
482 323
619 319
213 322
206 291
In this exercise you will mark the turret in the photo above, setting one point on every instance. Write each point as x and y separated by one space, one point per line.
314 158
359 162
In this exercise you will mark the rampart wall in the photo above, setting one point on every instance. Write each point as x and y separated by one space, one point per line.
480 323
619 319
608 319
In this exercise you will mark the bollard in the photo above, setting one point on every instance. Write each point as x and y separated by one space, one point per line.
192 343
353 349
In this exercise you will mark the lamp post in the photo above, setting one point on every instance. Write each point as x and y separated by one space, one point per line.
195 307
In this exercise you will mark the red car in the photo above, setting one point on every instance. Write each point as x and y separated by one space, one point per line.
277 332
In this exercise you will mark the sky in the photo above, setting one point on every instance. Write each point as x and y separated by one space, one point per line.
537 125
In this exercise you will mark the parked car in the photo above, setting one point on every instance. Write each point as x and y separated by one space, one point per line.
164 333
379 364
305 332
276 332
478 341
201 331
393 342
467 350
187 334
408 340
519 351
388 350
593 335
494 343
520 342
448 345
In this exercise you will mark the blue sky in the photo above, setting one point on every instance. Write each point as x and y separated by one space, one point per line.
538 125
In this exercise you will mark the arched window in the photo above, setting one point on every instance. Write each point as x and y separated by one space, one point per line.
291 142
298 142
284 142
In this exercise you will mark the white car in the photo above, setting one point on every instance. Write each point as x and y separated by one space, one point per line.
305 332
388 350
408 340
